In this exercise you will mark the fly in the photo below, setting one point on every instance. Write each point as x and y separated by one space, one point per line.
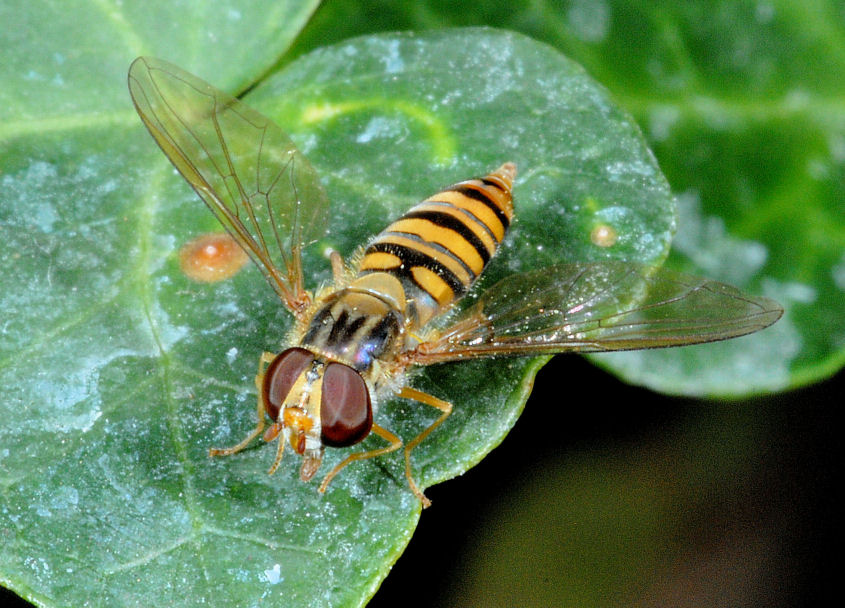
354 339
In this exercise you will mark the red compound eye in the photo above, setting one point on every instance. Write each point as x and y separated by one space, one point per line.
280 377
346 415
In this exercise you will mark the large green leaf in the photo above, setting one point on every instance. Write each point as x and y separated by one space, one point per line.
740 102
118 373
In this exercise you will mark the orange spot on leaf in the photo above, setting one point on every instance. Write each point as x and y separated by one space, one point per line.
211 257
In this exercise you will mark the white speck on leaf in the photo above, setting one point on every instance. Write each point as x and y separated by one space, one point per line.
393 61
231 354
274 574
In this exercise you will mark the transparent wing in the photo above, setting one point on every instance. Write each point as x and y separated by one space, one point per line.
597 307
246 169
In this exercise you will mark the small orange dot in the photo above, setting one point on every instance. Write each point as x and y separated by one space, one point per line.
211 257
603 235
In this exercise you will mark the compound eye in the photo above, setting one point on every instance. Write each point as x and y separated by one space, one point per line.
280 376
346 415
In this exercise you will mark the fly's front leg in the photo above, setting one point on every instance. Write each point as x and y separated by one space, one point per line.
445 407
263 361
394 444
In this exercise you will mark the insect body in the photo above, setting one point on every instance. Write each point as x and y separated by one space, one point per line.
354 340
321 392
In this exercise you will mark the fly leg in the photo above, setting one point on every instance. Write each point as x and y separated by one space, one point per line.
394 444
446 408
263 361
338 269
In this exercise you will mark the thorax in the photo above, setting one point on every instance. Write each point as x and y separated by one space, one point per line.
360 324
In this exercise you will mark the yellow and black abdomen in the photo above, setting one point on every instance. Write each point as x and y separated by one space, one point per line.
441 246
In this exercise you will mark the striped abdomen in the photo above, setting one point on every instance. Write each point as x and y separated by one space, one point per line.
441 246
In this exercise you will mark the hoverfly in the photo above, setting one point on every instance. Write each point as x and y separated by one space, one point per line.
353 340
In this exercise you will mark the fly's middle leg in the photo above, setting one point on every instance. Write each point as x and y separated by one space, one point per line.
446 408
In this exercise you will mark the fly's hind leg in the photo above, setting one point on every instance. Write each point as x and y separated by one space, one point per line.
263 361
446 408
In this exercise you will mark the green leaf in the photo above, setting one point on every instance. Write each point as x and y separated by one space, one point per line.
740 102
118 373
62 65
